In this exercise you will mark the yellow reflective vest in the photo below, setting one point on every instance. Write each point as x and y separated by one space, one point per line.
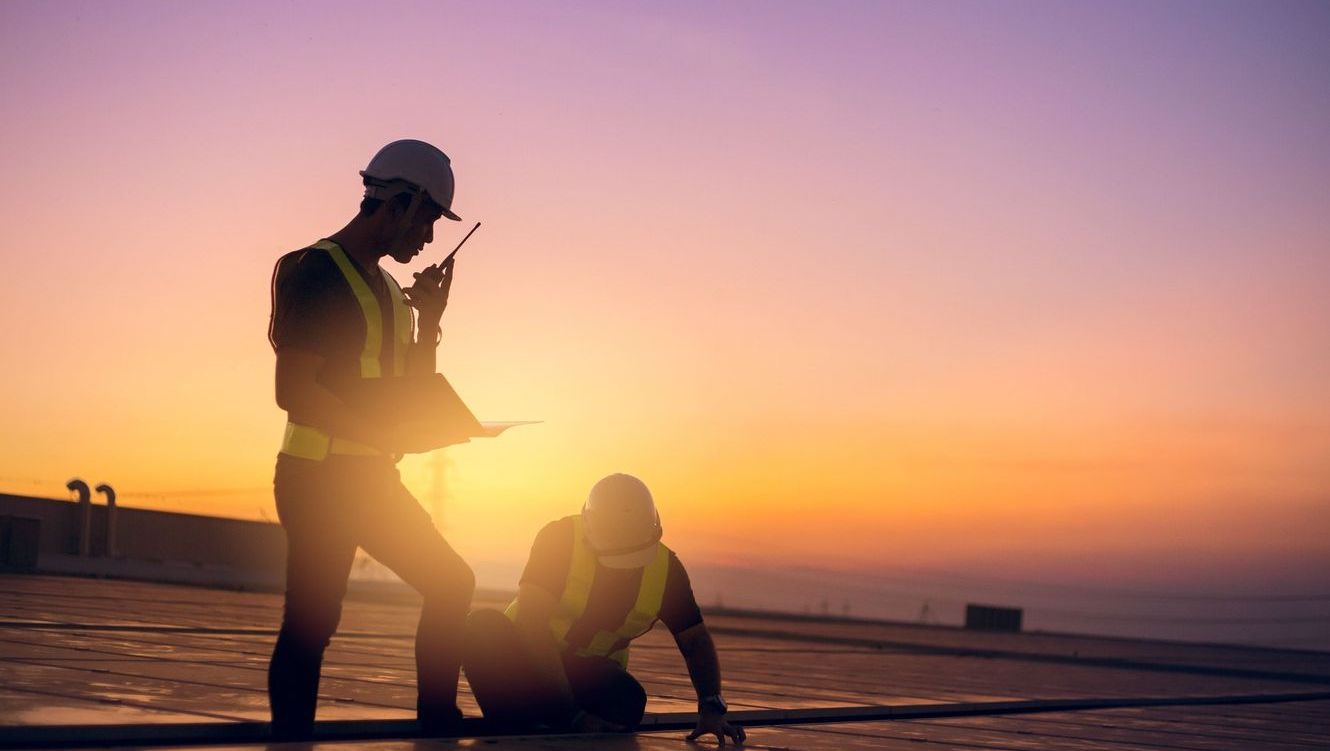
577 589
308 442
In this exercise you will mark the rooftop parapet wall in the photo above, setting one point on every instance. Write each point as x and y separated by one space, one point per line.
253 550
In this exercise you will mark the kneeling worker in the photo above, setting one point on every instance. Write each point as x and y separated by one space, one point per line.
593 583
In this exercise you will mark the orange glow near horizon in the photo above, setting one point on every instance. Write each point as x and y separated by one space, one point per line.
852 308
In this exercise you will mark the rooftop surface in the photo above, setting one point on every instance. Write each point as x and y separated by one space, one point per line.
78 653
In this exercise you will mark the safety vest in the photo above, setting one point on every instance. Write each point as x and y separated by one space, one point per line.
577 588
308 442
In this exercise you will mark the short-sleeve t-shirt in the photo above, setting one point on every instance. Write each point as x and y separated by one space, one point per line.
314 309
613 591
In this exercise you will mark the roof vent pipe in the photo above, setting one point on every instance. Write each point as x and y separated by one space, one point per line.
109 492
85 514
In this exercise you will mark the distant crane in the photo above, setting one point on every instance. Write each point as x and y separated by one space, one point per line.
926 614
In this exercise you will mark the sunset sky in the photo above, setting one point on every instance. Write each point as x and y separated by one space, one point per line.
1036 289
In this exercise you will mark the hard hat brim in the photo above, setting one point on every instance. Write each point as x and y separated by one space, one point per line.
635 559
382 191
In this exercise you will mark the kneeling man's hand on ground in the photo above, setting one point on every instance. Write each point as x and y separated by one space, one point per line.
715 724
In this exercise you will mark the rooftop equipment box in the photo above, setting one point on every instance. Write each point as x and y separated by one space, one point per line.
992 618
19 539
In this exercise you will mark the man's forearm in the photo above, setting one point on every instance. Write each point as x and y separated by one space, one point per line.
421 356
544 654
699 654
318 407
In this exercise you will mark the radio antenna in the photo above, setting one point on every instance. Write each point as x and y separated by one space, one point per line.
449 257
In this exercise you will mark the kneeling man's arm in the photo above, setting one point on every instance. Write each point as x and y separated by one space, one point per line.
535 608
699 653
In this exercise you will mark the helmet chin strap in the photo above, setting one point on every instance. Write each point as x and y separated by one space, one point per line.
404 225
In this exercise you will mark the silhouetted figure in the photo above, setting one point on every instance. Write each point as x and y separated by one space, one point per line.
593 583
339 324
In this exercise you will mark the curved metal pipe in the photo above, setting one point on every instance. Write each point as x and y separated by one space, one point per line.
85 514
109 492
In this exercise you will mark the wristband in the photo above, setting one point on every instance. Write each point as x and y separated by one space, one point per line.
714 704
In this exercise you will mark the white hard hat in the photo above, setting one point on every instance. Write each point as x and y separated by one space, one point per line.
620 522
419 165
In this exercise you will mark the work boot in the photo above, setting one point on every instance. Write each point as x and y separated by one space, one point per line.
289 732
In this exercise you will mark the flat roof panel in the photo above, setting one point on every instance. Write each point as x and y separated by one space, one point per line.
84 651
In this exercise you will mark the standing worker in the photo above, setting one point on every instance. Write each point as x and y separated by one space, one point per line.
593 583
341 323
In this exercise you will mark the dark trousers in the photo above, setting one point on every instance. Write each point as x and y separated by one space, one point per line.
511 691
328 509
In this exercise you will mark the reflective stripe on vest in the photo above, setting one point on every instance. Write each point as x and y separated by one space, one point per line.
370 367
311 443
308 442
577 589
